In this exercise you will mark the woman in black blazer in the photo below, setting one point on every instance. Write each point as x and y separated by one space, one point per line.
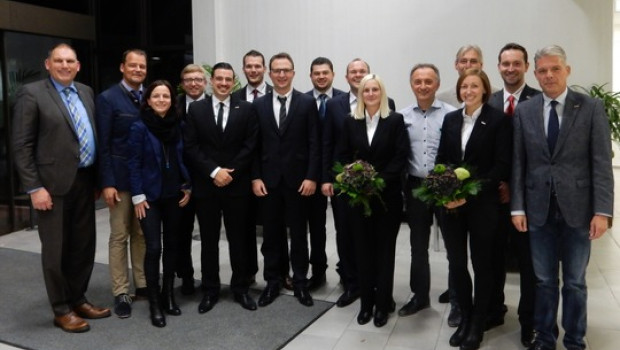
378 136
159 188
478 137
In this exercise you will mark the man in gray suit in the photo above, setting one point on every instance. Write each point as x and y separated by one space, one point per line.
55 151
562 191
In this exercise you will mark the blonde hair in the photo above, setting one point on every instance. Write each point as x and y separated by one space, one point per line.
384 109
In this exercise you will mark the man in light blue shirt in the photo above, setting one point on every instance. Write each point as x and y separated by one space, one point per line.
423 119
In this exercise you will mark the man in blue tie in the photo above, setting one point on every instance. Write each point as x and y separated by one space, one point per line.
55 152
562 191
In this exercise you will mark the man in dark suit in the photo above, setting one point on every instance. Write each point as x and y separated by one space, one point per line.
284 175
54 143
337 109
562 191
193 83
220 140
117 108
512 66
322 77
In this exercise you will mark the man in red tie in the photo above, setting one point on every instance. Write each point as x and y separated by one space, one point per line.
512 65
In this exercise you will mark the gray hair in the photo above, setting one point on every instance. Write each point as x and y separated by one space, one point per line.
551 50
467 48
425 65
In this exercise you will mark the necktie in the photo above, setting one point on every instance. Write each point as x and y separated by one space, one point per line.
80 128
137 95
255 94
323 100
282 116
553 128
220 117
511 105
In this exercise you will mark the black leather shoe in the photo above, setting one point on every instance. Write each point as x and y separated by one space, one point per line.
207 303
316 281
474 335
187 286
381 318
493 321
122 305
444 297
461 332
364 317
454 318
392 307
414 305
348 297
246 301
304 296
269 294
527 336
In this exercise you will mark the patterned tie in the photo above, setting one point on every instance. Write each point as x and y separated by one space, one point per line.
553 128
80 128
137 95
255 94
220 117
511 105
323 100
282 116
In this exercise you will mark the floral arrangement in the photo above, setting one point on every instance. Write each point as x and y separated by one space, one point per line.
360 182
444 185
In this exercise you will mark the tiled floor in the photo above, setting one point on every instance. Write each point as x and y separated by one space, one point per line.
338 330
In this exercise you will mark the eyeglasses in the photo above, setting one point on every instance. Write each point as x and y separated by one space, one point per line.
193 80
470 61
280 71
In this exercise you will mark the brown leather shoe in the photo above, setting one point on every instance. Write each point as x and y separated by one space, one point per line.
87 310
71 323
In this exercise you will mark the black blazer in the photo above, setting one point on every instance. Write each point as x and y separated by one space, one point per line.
241 93
488 151
387 153
496 100
292 154
206 147
337 110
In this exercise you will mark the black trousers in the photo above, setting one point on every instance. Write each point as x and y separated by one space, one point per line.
284 206
185 265
67 234
476 222
345 244
234 209
375 243
317 216
161 224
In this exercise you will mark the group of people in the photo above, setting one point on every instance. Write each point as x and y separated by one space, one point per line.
265 153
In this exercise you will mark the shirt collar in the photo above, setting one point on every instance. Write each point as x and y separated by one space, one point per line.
129 88
59 87
434 105
189 99
329 93
516 94
215 101
474 115
561 98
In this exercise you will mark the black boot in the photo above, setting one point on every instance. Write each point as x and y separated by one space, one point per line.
167 298
461 332
157 317
474 334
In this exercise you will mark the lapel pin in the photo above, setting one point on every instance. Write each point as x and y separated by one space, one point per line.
483 123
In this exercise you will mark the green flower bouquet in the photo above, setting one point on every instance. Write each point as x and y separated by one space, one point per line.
360 182
445 184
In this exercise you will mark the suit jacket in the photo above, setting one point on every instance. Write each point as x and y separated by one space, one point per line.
488 150
496 100
291 154
116 111
181 110
579 169
241 93
45 144
387 153
145 162
337 110
206 147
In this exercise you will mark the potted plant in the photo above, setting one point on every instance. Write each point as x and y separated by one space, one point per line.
611 103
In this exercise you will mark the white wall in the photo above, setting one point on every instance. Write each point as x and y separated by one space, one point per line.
393 35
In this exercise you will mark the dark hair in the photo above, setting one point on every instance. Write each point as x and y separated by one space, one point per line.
322 60
149 91
282 55
253 53
138 52
222 65
512 46
485 83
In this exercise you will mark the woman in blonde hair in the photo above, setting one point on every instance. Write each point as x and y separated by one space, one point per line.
378 136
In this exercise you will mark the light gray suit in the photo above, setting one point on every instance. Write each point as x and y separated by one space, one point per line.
580 166
46 150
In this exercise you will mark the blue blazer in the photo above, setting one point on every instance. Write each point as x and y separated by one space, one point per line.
146 160
115 111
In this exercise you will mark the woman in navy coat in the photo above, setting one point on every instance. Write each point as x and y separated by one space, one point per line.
159 188
378 136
